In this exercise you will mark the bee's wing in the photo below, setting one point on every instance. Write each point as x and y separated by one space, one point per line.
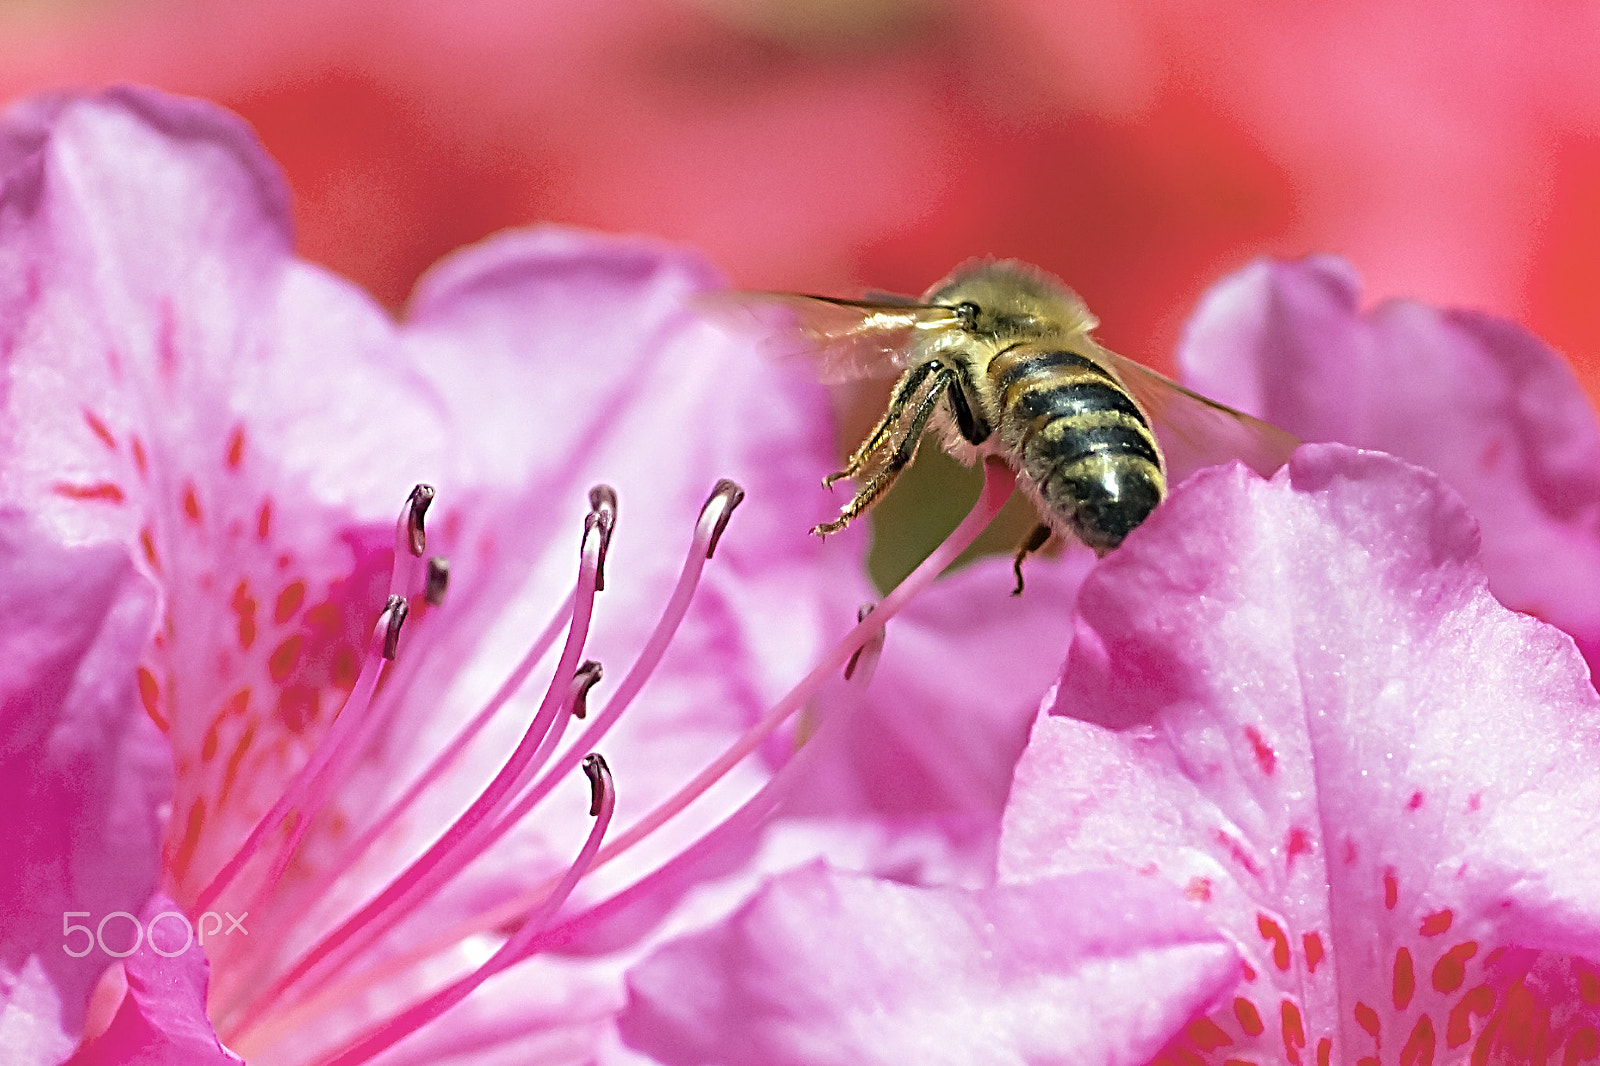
844 340
1196 432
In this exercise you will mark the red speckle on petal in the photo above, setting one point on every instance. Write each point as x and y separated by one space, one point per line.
1479 1001
1198 889
1272 931
208 747
166 342
150 696
1436 923
324 617
289 601
1391 889
1324 1051
1313 948
1266 758
100 429
1367 1018
235 453
231 772
244 606
1405 979
147 541
1589 987
1208 1035
1299 843
1451 969
1294 1032
236 704
191 504
345 669
1237 853
1418 1050
284 658
1414 802
139 462
105 491
298 707
264 520
191 839
1249 1017
1349 851
1584 1046
1247 970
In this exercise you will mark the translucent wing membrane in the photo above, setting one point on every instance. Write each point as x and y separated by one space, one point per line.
844 340
1196 432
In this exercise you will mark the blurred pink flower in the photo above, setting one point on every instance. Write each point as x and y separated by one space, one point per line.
228 433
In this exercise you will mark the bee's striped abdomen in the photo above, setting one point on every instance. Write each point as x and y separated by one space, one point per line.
1082 441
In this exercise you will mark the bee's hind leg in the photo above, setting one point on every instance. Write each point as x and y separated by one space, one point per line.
904 389
905 449
1030 544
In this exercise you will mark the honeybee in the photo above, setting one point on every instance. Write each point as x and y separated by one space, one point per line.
999 359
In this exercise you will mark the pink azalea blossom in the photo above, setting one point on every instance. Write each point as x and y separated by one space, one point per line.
229 434
1299 702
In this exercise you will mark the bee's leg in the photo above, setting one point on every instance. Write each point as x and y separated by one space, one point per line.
904 451
904 389
1030 544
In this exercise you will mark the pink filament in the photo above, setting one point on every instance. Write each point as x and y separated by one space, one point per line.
308 791
442 860
453 750
712 517
417 1015
998 482
678 871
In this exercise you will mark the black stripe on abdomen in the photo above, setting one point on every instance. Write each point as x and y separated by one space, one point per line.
1045 363
1074 399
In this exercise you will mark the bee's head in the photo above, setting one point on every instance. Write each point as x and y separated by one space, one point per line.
1008 298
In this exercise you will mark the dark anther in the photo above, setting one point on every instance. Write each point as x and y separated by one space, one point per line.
397 608
438 581
587 677
602 516
599 775
416 508
731 495
855 657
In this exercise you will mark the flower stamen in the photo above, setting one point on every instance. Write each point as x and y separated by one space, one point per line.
602 803
449 853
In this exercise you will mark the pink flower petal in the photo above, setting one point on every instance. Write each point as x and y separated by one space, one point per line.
162 1019
937 732
828 967
1478 400
1297 701
83 776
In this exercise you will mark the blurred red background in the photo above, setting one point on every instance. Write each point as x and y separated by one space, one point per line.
1451 150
